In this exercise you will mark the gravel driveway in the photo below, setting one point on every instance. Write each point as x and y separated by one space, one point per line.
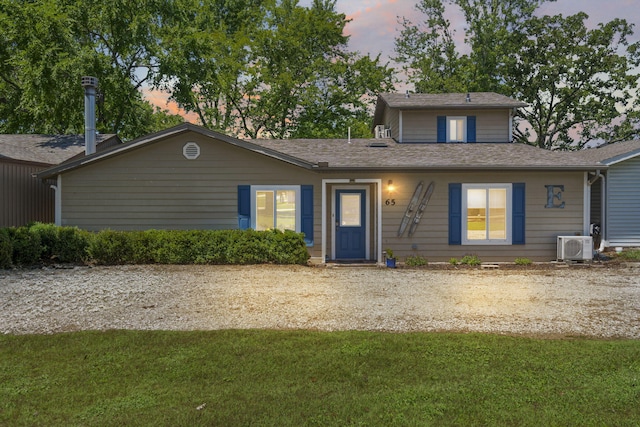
551 302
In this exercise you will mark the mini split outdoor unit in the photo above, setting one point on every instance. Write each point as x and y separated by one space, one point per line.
575 248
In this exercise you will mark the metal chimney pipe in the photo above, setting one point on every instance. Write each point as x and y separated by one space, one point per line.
90 85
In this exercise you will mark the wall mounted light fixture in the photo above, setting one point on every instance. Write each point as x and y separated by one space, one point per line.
390 187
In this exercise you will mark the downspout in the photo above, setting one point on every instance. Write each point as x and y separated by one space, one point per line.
603 210
58 201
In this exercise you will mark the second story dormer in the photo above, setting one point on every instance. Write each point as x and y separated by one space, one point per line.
476 117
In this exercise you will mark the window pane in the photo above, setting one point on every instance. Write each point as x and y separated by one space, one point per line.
497 213
286 210
476 214
456 130
350 210
264 210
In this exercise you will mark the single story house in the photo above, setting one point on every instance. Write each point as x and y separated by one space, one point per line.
441 179
24 198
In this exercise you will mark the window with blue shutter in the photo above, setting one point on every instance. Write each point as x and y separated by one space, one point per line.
518 214
471 128
455 214
477 214
244 207
442 129
285 207
307 213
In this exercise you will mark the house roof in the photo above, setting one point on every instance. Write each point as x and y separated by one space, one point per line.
158 136
422 101
44 149
610 154
367 154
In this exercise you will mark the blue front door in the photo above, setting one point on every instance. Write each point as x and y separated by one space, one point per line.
350 224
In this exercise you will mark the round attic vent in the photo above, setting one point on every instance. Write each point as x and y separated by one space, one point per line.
191 150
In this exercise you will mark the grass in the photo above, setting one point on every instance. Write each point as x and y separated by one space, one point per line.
630 255
305 378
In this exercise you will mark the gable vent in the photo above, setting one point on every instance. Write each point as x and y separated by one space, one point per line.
191 150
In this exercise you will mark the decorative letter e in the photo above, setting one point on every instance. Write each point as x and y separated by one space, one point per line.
554 192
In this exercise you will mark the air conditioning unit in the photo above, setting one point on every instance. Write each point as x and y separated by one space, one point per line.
575 248
382 132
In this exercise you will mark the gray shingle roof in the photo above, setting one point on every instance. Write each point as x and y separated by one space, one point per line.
449 100
44 149
611 153
358 154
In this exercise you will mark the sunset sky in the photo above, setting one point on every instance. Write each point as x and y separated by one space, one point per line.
374 23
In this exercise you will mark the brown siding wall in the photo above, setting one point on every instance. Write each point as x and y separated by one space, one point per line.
23 198
157 187
420 126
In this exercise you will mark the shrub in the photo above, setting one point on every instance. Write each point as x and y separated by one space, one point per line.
6 248
111 247
470 260
522 261
416 261
27 246
44 242
453 261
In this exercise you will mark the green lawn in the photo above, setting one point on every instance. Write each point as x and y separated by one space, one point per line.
275 378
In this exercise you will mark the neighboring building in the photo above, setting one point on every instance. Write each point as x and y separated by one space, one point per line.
480 194
615 195
25 198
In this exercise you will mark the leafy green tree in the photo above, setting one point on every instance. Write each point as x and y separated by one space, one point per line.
47 46
268 69
431 59
577 81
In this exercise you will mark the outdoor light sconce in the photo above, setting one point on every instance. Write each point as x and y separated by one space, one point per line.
390 187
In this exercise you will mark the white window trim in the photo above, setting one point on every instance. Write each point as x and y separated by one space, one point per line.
275 188
509 214
464 128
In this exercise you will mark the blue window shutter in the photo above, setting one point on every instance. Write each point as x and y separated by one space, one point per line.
442 129
244 207
455 214
518 214
471 128
307 213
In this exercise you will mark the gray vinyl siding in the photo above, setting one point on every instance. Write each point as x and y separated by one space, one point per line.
390 120
623 204
157 188
420 126
24 199
431 237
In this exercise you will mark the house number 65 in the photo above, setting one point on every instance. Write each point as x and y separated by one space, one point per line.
390 202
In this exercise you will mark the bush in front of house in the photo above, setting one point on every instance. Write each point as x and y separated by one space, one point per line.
46 243
198 247
38 243
6 248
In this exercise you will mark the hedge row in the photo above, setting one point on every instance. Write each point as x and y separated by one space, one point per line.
46 243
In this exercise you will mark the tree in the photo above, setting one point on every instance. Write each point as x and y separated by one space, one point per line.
579 82
268 69
429 54
47 46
